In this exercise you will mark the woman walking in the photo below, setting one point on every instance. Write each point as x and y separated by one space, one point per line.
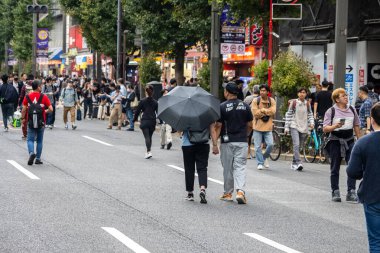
88 97
148 106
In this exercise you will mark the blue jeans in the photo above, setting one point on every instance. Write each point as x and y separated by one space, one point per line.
50 117
259 138
35 134
130 118
372 215
8 110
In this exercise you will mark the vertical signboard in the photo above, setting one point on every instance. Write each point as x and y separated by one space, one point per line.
232 35
349 85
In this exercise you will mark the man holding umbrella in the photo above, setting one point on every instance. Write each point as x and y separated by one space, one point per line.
234 126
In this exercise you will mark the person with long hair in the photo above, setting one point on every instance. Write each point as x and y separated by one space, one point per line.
148 106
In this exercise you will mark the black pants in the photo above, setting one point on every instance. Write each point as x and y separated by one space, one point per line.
148 133
336 160
88 107
195 155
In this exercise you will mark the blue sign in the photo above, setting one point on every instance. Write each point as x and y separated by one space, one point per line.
349 78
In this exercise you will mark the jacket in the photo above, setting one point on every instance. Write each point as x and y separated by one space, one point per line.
9 93
291 120
69 97
149 107
258 113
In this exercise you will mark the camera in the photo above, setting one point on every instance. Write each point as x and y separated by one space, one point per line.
226 138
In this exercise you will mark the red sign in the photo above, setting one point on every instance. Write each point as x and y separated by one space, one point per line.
75 37
361 77
257 35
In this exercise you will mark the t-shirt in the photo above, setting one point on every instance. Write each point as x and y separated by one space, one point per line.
324 101
34 96
235 114
351 120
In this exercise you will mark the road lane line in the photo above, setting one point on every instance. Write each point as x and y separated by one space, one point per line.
23 170
98 141
272 243
125 240
196 174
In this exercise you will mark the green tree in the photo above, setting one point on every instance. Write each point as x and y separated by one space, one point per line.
261 73
149 70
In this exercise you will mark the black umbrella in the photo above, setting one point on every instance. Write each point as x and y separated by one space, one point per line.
189 108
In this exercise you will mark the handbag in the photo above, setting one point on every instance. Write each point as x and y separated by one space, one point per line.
135 103
199 137
79 114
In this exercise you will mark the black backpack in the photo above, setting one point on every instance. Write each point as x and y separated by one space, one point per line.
35 113
199 137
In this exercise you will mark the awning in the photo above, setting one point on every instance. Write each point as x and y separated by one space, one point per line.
55 53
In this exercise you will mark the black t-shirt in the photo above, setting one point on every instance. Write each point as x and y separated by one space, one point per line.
324 101
235 114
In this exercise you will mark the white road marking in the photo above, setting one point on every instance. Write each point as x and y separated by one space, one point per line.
125 240
196 174
272 243
23 170
98 141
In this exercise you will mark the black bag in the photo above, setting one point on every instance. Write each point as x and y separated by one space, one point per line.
199 137
35 113
79 114
95 111
264 118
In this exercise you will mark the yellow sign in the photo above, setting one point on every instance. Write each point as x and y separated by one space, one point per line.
43 34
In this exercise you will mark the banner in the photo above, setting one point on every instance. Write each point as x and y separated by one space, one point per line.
232 34
11 57
42 43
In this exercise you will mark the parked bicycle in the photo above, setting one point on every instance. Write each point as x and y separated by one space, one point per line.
314 145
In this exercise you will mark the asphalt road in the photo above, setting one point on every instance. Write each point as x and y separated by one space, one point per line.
96 193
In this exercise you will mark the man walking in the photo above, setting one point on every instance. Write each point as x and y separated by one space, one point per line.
166 130
263 110
35 107
341 121
233 127
48 90
364 164
322 101
8 101
365 110
298 120
70 101
131 95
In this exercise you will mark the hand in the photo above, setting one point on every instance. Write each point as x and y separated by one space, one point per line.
215 149
338 125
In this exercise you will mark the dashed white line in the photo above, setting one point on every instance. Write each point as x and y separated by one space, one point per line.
98 141
125 240
272 243
23 170
196 174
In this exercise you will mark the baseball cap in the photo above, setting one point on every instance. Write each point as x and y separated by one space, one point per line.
231 87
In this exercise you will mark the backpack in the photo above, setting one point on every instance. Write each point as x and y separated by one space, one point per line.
259 99
35 113
294 105
199 137
333 113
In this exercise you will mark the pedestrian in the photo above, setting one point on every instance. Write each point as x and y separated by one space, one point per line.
371 94
233 127
365 111
148 106
173 83
70 100
35 107
131 96
248 100
8 101
124 92
340 122
116 107
322 101
166 130
364 164
25 90
48 90
298 121
263 110
88 98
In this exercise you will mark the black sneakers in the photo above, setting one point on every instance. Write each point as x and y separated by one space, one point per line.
352 196
202 195
190 197
31 159
169 145
38 162
336 196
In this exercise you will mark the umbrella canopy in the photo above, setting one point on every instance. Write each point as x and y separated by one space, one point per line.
154 83
189 108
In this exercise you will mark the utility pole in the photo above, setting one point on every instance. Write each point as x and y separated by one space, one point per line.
270 46
215 50
124 58
119 14
340 43
34 44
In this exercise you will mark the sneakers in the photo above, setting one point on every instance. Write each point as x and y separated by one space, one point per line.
50 127
294 166
169 145
38 162
202 195
130 129
67 126
260 167
6 129
240 197
31 159
74 127
190 197
148 155
300 167
162 146
336 196
266 163
226 197
352 196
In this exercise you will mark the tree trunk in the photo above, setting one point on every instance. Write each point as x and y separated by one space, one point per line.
179 64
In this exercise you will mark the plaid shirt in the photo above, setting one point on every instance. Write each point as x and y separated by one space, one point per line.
365 112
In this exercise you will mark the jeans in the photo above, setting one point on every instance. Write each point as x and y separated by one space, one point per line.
50 117
297 138
130 118
195 155
233 156
258 138
88 107
35 134
8 111
372 215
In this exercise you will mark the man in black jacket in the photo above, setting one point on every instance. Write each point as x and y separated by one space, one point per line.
364 164
8 101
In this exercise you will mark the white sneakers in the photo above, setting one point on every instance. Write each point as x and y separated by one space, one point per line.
298 167
260 167
148 155
266 163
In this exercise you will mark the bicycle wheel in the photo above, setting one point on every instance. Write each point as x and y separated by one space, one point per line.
309 150
323 158
276 150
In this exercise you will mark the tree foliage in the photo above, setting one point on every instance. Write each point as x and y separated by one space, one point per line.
261 73
149 70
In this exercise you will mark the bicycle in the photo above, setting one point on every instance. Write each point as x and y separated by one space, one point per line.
314 145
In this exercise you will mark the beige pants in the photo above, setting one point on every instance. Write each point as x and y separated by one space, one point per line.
72 114
102 111
116 113
166 134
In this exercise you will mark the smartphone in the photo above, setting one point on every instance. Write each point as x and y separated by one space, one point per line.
342 121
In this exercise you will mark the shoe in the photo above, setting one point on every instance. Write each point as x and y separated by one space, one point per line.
130 129
23 138
226 197
240 197
202 195
38 162
31 159
51 127
266 163
66 126
336 196
352 196
169 145
74 127
6 129
109 128
162 146
294 166
260 167
190 197
148 155
300 167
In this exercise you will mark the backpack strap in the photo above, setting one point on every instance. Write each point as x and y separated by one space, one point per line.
294 104
28 99
259 100
332 114
40 99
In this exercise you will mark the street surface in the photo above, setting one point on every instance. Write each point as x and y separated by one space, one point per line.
96 193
